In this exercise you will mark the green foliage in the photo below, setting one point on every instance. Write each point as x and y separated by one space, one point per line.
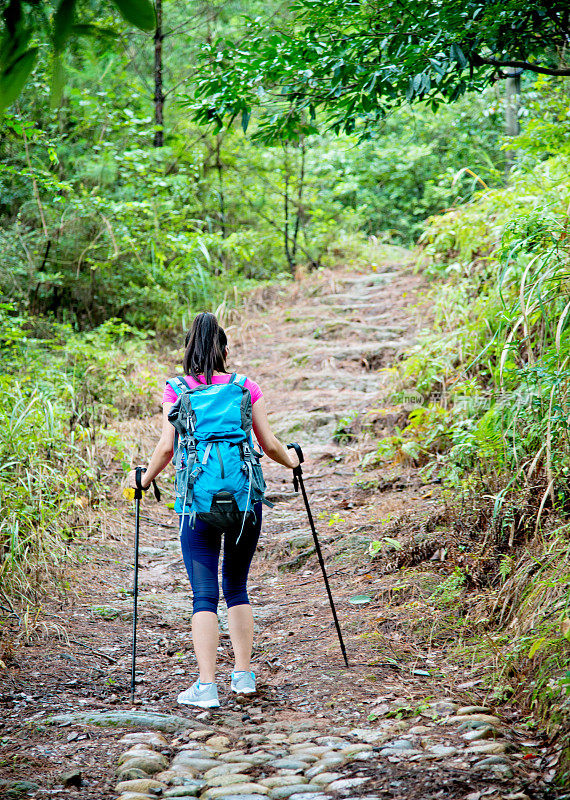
354 62
495 369
139 13
24 22
546 132
43 478
378 546
96 229
505 567
398 448
343 429
410 166
96 223
450 589
106 253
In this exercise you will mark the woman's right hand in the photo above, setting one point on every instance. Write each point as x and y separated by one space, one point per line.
293 458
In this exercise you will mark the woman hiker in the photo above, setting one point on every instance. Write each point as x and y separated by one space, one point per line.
205 362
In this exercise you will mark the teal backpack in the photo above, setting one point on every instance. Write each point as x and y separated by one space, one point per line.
218 475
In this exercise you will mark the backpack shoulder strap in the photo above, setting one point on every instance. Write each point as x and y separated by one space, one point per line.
179 385
238 379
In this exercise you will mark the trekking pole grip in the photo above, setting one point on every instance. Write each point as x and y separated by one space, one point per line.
139 471
138 480
297 471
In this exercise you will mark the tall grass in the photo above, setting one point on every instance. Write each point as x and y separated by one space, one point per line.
58 396
43 481
494 370
496 367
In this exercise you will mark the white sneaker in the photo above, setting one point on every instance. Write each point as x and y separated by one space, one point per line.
204 695
243 683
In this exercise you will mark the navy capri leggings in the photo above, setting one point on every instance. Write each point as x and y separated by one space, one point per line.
201 546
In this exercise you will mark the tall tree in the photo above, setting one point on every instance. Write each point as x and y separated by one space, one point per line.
158 87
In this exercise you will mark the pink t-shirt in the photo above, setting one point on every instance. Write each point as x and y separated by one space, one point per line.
169 395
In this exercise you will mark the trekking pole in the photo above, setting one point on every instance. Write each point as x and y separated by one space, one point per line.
138 496
298 481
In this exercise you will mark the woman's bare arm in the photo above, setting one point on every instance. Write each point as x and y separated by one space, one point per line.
270 444
162 452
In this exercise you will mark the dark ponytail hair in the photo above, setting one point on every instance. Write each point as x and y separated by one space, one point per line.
205 344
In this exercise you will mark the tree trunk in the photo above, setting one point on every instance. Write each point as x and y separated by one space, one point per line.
299 197
288 254
512 105
220 170
158 88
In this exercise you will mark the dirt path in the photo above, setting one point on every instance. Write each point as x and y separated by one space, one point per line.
406 720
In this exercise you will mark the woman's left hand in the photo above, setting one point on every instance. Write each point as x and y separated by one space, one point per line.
132 479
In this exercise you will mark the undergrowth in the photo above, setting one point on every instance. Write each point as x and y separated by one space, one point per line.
492 375
59 395
494 371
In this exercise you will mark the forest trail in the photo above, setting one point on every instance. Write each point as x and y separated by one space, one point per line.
405 720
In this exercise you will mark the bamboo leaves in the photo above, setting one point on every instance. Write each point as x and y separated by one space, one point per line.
30 27
139 13
14 73
63 23
560 326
